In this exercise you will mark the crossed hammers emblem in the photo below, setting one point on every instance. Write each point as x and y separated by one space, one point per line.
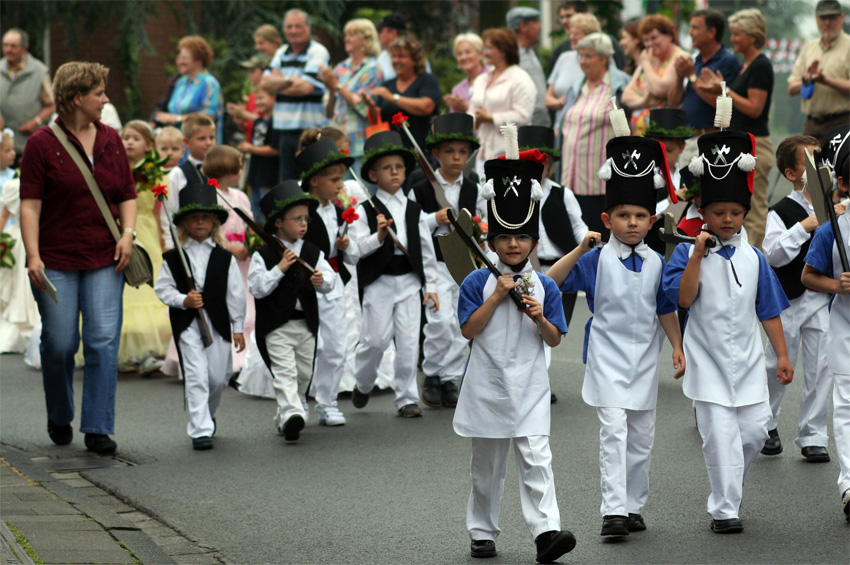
720 152
512 184
635 155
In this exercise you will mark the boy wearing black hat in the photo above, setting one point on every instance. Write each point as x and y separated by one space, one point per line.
392 270
451 142
287 308
727 288
219 297
322 168
504 395
622 281
824 272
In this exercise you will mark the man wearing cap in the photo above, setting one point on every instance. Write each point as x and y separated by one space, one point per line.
295 76
821 74
526 23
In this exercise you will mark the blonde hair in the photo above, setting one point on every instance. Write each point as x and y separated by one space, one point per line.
143 129
222 160
215 234
268 33
169 133
366 29
76 78
752 23
6 138
472 38
586 22
193 122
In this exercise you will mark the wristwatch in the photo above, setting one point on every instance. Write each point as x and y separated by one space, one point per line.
396 96
131 231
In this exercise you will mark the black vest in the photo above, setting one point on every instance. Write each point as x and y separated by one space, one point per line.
427 200
192 174
373 266
556 220
317 234
791 212
215 292
278 307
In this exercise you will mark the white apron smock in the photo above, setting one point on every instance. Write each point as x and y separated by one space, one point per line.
722 341
625 336
838 345
505 390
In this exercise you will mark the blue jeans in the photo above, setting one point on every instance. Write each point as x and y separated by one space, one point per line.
98 295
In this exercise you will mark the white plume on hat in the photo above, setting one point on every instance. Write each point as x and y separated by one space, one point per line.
723 115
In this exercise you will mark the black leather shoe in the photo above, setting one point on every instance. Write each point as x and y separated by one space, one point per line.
483 548
100 443
773 445
60 435
359 399
450 392
552 545
291 429
815 454
431 394
730 526
552 398
635 523
202 443
614 526
410 411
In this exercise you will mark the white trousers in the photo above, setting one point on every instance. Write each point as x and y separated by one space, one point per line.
804 323
536 485
625 445
331 344
841 427
290 348
206 372
444 347
386 321
732 438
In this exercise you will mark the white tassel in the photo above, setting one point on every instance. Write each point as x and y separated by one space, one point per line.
536 190
605 171
747 162
723 114
509 131
658 179
696 166
618 120
488 191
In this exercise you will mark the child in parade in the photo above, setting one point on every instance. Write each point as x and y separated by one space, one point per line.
218 298
322 167
199 138
262 148
145 331
223 167
505 395
451 142
790 225
727 288
622 281
391 273
7 156
287 307
169 143
823 272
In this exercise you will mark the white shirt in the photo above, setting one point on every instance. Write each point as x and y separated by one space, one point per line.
368 243
546 248
452 192
781 245
198 256
177 181
263 281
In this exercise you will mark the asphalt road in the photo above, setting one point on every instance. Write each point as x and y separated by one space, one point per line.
386 490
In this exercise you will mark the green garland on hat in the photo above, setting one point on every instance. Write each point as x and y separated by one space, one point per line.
281 205
435 138
386 148
326 162
553 152
189 208
692 191
653 130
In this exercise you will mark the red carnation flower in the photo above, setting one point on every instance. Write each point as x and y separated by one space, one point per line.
350 215
344 151
213 182
476 219
160 191
353 201
399 119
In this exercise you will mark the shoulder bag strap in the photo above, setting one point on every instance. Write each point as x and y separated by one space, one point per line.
93 187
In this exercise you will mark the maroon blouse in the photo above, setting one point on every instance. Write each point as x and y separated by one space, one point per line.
72 232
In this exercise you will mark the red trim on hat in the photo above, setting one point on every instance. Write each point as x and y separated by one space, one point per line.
531 155
751 175
668 179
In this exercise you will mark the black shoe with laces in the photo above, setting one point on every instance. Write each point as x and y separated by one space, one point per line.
614 526
773 445
483 548
450 393
100 444
60 435
635 523
431 394
551 545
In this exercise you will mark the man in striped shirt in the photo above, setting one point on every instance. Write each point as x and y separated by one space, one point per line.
295 76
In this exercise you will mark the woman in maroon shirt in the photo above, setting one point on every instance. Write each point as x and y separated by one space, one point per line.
70 247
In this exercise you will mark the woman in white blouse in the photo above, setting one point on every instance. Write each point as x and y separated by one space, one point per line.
503 94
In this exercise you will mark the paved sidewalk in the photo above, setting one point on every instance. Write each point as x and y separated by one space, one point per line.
60 517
